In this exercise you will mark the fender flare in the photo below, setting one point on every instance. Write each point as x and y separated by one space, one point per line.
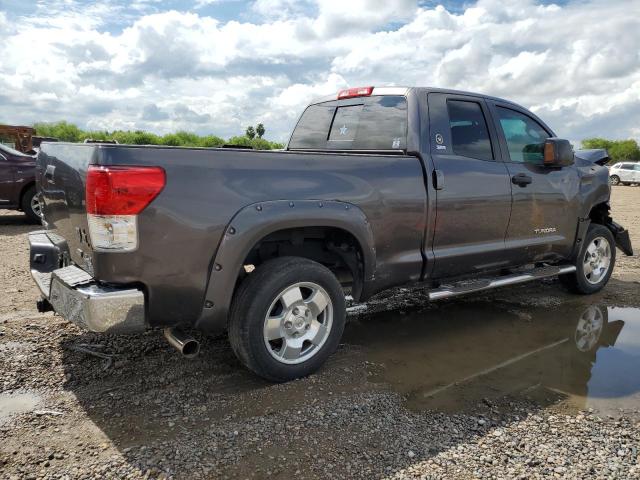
254 222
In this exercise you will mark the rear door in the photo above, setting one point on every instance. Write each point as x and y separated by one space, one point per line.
544 217
473 195
627 172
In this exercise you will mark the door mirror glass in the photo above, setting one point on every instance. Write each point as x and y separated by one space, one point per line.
557 152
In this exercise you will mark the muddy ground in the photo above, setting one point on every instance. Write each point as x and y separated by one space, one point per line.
523 382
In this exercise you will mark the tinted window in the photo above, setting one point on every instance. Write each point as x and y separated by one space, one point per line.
469 133
626 166
345 124
370 123
525 137
637 166
311 131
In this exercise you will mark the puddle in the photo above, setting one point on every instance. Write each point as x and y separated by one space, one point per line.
455 356
15 404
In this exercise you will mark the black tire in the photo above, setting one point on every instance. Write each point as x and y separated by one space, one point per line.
577 282
252 302
26 205
614 180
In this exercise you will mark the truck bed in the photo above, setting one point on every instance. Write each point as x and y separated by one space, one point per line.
180 231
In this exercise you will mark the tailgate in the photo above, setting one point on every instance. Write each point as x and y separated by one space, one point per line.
61 174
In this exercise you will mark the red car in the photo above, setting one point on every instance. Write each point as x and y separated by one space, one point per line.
18 183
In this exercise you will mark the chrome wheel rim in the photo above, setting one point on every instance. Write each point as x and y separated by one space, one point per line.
35 206
596 261
614 180
589 328
298 323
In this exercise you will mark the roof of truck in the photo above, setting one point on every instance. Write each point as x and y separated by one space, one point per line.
404 90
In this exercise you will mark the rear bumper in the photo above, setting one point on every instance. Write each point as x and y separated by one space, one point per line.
79 298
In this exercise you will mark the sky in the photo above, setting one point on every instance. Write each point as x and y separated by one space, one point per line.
217 66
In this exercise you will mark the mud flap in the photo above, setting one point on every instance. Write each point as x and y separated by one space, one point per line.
621 235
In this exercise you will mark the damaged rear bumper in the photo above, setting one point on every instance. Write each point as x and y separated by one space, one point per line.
78 297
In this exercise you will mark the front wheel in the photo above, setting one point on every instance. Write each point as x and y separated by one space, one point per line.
595 262
614 180
31 205
287 318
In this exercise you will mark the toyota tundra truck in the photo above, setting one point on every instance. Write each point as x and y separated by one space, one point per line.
377 187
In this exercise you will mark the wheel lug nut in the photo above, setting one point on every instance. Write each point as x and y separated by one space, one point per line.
307 326
288 324
296 311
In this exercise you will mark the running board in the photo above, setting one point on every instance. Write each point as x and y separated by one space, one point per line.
471 286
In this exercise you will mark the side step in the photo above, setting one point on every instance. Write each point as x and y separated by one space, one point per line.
488 283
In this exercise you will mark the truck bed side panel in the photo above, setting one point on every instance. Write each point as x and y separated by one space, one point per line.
181 229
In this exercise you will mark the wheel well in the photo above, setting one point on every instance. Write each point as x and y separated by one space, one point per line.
600 214
24 190
335 248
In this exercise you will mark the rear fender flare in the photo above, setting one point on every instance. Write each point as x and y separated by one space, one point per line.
254 222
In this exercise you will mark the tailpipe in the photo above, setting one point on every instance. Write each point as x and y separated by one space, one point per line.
188 346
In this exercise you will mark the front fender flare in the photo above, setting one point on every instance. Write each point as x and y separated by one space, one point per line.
254 222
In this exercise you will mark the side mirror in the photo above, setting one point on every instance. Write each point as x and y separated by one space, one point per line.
557 152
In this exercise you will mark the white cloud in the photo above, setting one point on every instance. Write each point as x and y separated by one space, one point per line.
576 65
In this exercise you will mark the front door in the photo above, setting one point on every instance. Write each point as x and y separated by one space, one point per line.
544 216
473 194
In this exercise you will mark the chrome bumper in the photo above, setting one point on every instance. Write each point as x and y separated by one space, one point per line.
76 296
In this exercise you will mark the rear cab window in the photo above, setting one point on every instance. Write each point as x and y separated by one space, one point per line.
363 123
469 132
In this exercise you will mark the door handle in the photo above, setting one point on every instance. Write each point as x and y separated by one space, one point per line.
521 179
438 179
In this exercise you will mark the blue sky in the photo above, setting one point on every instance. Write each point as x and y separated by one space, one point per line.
216 66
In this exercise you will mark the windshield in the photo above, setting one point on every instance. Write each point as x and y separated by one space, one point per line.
11 151
365 123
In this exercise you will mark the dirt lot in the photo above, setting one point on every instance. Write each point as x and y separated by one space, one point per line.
509 384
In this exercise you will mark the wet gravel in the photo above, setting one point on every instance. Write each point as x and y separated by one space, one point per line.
138 410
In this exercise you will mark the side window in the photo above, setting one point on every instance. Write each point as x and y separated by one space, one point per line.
469 132
626 166
525 137
637 167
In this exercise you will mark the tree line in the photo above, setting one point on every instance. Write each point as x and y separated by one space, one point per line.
68 132
619 150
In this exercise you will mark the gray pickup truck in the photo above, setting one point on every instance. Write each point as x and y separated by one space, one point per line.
377 187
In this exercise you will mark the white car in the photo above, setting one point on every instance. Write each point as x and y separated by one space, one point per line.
625 173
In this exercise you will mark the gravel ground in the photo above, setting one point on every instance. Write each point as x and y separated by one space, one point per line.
138 410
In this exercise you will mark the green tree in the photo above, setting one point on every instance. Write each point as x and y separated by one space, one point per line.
67 132
71 133
619 150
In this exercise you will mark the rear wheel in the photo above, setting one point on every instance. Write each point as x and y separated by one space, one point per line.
614 180
287 318
595 262
31 205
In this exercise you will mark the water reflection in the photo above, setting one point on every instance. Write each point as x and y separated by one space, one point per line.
457 355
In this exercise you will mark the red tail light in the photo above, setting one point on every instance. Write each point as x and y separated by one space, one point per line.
355 92
122 190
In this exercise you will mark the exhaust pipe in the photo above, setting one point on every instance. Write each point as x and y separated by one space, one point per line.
188 346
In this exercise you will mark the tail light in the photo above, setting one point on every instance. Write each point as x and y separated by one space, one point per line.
114 198
355 92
